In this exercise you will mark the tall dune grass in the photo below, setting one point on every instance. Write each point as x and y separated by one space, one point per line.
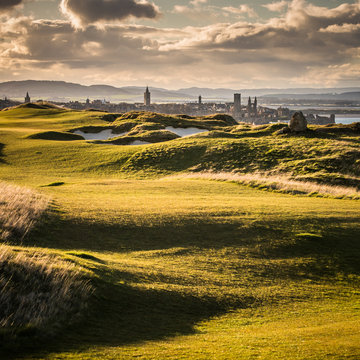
20 209
38 290
279 183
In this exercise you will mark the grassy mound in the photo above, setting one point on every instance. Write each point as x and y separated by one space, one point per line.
281 184
39 105
339 129
206 122
219 120
39 293
326 161
56 135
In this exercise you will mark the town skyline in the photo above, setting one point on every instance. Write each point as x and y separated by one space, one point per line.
205 43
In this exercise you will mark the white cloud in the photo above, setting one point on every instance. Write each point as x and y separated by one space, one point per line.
277 6
198 2
339 29
241 10
330 76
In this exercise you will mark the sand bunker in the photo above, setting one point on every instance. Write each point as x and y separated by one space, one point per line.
139 142
185 131
102 135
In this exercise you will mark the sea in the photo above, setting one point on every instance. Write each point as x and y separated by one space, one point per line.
340 117
346 118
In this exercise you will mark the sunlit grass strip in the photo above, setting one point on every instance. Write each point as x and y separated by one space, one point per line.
20 209
278 183
38 290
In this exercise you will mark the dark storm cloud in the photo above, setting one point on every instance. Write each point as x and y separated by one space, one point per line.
8 4
83 12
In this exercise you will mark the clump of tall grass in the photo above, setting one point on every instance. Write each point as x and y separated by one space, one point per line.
279 183
38 291
20 209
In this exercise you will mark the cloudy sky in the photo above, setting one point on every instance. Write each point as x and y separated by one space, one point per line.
182 43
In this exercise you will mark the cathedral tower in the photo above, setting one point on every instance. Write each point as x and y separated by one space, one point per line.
147 97
27 98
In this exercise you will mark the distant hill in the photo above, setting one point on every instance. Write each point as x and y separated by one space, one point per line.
300 93
350 96
65 91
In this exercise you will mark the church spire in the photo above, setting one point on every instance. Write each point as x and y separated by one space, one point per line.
27 98
147 97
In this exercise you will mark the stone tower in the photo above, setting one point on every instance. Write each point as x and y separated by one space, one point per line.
200 100
147 97
237 105
27 98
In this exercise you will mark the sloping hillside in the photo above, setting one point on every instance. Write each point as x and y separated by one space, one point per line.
187 256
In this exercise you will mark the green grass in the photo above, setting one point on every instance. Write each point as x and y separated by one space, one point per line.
192 268
55 135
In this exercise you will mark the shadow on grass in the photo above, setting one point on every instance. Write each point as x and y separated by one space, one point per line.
75 234
127 314
336 250
336 240
121 314
1 154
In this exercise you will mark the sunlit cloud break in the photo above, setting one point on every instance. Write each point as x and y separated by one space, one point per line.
299 43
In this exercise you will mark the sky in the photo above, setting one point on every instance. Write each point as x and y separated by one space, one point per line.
182 43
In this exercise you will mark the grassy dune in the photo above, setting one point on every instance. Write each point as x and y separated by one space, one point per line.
184 267
38 289
39 293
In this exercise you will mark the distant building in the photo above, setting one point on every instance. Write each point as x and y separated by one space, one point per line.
7 103
27 98
147 97
252 108
283 112
320 120
237 106
200 100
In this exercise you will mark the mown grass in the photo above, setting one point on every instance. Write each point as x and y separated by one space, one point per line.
186 266
192 268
